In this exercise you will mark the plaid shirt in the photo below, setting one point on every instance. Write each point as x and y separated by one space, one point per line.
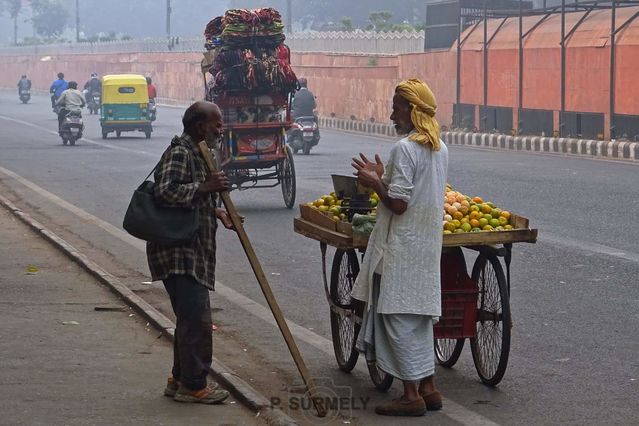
175 186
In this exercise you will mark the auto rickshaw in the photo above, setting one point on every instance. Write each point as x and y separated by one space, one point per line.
125 105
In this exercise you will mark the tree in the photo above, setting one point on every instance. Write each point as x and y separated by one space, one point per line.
14 7
49 17
380 21
347 23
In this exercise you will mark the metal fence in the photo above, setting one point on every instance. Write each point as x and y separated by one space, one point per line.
357 42
335 41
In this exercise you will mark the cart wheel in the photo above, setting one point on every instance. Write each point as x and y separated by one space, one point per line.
104 134
72 142
491 346
381 379
447 351
64 141
118 134
286 176
343 329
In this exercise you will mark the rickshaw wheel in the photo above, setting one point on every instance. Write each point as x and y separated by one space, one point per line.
381 379
491 346
286 176
344 329
447 351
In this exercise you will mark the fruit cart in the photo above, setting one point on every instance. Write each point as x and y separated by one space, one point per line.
253 150
474 307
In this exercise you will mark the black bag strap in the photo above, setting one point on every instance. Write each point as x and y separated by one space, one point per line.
158 164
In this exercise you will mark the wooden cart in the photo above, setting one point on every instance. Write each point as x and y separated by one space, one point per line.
475 307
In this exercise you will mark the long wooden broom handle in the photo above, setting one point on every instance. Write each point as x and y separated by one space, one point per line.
212 167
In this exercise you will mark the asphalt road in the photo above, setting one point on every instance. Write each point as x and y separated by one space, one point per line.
574 296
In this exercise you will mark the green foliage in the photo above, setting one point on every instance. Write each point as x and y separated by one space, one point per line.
49 17
347 23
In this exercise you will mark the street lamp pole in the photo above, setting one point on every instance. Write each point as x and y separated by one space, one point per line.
77 21
168 19
289 16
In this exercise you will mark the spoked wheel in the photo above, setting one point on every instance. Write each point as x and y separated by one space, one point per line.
286 175
381 379
343 328
491 346
447 351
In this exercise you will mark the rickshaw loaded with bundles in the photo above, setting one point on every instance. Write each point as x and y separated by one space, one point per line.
125 105
247 73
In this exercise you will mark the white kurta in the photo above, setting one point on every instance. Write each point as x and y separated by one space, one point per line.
408 245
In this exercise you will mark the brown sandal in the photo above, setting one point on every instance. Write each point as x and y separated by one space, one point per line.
401 407
432 400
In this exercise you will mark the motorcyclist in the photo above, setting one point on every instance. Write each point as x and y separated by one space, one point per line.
24 84
56 89
153 93
304 105
93 85
304 101
70 100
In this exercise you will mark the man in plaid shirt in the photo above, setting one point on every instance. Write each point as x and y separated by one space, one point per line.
188 271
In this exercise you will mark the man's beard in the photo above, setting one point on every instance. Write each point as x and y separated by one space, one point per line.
212 141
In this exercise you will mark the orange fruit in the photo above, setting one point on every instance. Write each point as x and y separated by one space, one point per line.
466 227
458 215
464 220
505 214
475 230
494 223
485 208
458 231
495 213
508 227
487 217
474 223
449 226
502 221
447 231
487 228
478 200
483 222
457 223
474 215
474 208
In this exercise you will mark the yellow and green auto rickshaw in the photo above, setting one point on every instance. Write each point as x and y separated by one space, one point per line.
125 105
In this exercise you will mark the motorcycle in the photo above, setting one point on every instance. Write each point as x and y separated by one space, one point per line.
303 135
152 110
94 102
56 108
25 95
72 127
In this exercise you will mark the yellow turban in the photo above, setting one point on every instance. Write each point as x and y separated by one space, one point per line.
423 105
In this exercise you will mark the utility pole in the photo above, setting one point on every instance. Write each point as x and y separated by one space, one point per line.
77 21
168 19
289 16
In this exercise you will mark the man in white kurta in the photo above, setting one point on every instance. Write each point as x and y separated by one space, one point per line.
400 273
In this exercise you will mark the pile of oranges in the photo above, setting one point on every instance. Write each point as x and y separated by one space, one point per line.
465 214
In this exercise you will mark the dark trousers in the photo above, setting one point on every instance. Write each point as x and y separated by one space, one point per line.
193 343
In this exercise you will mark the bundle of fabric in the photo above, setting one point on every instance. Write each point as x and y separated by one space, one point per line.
259 70
241 28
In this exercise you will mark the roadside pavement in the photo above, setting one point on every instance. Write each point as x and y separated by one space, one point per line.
74 354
